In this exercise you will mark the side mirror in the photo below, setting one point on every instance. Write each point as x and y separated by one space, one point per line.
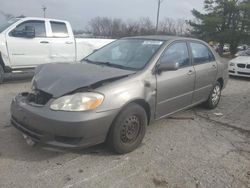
168 66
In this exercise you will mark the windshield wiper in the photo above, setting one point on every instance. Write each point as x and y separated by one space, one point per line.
89 61
109 64
117 66
97 62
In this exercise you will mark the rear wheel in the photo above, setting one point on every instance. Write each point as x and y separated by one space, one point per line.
214 97
128 130
1 74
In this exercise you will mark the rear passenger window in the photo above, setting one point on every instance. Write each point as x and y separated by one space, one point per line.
177 52
201 53
59 29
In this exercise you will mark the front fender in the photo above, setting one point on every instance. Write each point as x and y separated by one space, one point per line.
4 56
122 92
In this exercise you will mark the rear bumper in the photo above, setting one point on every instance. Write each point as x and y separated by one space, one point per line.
58 128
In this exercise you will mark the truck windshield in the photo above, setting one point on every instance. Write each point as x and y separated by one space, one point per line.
7 24
131 54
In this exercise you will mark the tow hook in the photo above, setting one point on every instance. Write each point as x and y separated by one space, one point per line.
29 141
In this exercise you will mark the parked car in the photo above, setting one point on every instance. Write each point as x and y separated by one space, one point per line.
115 92
28 42
240 66
241 51
226 48
242 47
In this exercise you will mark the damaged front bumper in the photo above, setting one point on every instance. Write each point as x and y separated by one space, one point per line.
60 128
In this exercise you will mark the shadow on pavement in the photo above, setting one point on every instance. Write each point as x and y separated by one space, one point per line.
19 150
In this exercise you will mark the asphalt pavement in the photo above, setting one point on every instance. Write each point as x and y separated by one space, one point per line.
195 148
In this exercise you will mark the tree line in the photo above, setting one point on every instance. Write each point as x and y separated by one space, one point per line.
222 21
116 28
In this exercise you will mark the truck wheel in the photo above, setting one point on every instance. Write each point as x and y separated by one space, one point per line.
1 74
214 97
128 130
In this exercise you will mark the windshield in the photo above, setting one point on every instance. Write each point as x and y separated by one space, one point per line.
131 54
7 24
246 53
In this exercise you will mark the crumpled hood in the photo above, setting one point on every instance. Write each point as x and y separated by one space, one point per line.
62 78
241 59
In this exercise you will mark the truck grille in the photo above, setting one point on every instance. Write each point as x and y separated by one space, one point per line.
39 97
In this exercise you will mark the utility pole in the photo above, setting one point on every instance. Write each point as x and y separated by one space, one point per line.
158 15
44 8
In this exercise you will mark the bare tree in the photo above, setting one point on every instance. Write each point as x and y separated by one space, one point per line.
146 27
116 28
131 28
100 26
173 27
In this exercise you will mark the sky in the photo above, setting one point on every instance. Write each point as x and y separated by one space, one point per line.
79 12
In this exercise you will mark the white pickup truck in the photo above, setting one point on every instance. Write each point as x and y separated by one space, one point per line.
28 42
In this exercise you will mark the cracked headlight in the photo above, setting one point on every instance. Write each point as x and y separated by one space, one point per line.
78 102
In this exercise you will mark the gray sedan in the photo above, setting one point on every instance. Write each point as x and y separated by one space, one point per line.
114 93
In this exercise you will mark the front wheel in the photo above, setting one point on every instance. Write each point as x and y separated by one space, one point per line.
214 97
128 130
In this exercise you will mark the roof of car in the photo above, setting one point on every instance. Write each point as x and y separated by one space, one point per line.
161 37
39 18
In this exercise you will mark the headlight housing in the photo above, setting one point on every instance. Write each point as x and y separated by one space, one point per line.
78 102
232 64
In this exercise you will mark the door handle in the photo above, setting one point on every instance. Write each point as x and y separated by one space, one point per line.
68 42
190 72
44 42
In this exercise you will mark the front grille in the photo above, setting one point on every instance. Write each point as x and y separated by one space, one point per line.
248 66
245 73
241 65
39 97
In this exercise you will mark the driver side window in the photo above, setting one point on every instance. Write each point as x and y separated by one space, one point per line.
177 52
39 26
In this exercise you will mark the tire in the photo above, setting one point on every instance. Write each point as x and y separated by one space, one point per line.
214 97
1 74
128 129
